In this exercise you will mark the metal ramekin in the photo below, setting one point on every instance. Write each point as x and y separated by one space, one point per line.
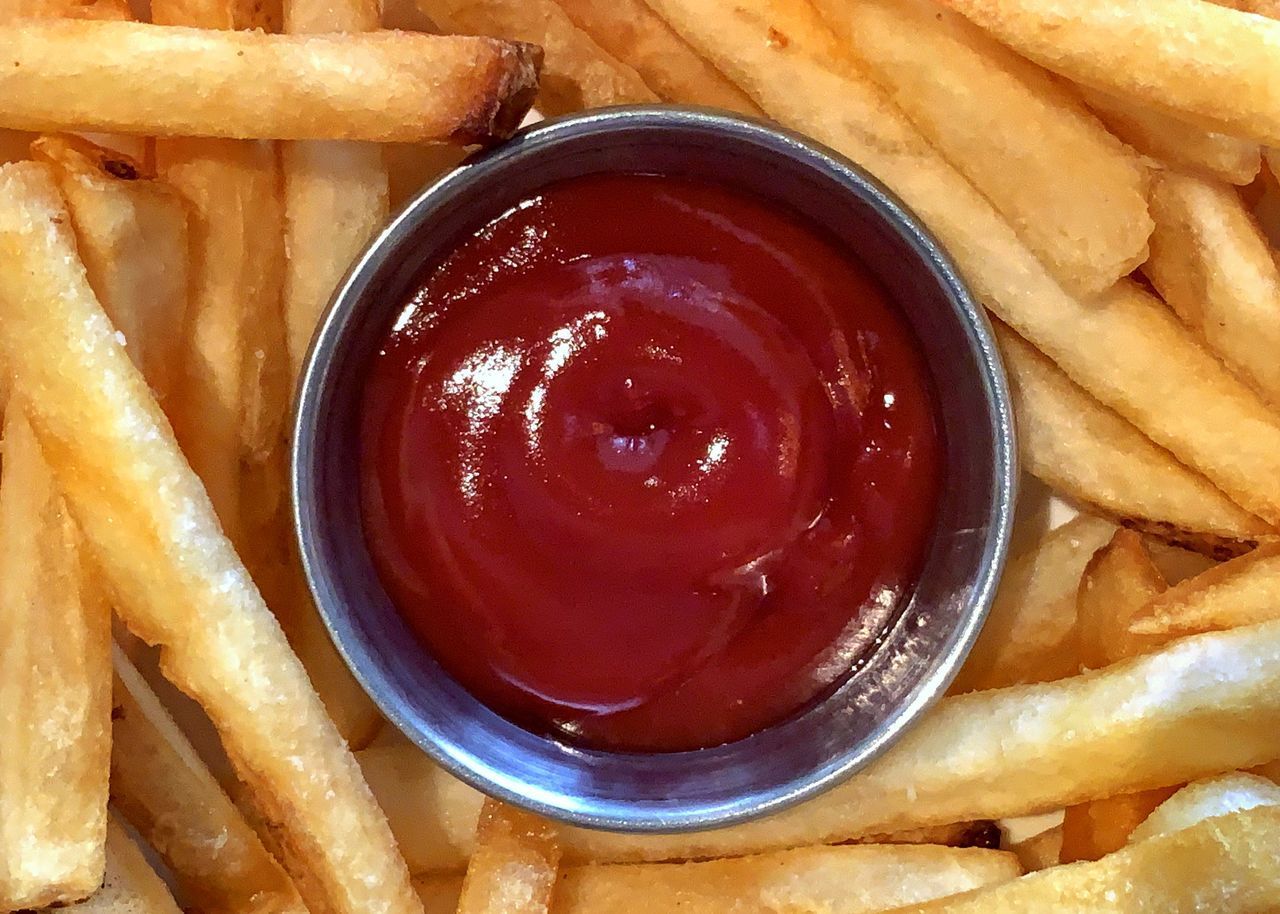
774 768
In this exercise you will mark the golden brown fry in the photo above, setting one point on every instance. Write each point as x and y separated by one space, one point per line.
1040 851
1030 631
834 880
514 867
15 145
630 31
55 701
1212 264
1167 139
1139 359
1088 452
1230 859
173 576
1261 7
131 231
1213 65
578 73
1072 191
160 785
172 81
131 885
1117 583
1205 799
1244 591
412 167
1177 564
1092 830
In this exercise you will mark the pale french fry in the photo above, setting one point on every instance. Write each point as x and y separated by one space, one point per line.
1206 799
578 73
1139 359
1204 152
173 576
131 231
1022 138
335 194
1226 865
1030 630
1117 583
1039 851
131 885
514 867
160 785
1203 62
1244 591
1088 452
858 879
1212 264
411 167
630 31
55 700
172 81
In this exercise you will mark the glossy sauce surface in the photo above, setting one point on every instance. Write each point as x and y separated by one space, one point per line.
648 463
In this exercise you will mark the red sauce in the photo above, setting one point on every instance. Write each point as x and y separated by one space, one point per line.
648 463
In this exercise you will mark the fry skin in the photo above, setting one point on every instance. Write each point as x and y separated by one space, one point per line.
1244 591
172 574
131 886
514 867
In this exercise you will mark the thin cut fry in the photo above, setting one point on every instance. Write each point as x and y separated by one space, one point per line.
578 73
630 31
1072 191
173 576
1206 799
1140 360
131 885
1203 152
171 81
1207 63
160 785
1085 450
1029 633
1230 859
55 700
1244 591
515 864
1212 264
1117 583
858 879
1040 851
131 231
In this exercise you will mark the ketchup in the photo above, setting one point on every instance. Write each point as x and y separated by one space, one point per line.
648 463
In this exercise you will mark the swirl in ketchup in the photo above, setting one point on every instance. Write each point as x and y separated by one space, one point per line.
648 463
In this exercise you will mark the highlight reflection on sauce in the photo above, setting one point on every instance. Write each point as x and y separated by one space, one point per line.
648 463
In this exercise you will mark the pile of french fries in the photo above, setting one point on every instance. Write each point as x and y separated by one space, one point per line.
185 183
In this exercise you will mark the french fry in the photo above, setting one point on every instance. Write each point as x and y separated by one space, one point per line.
1117 583
65 9
1139 359
171 81
1039 851
335 194
131 885
55 700
1092 830
1207 799
1022 138
1244 591
1088 452
1230 859
1212 65
514 867
1177 564
131 231
630 31
1030 630
1212 264
858 879
15 146
439 894
172 574
160 785
411 167
1269 770
1261 7
578 72
1200 151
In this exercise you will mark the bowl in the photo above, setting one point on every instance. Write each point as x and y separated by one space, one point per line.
919 652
